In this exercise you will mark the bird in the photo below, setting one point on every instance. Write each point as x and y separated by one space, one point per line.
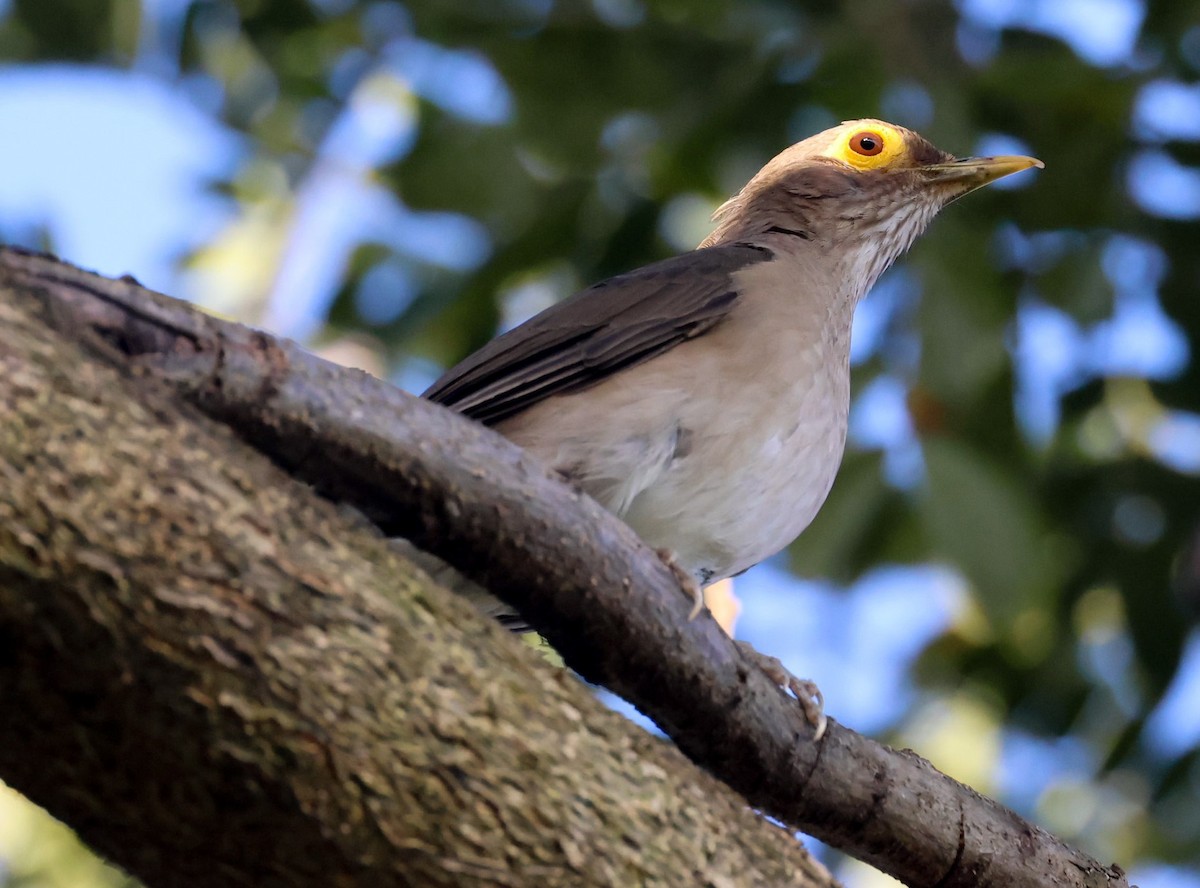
704 398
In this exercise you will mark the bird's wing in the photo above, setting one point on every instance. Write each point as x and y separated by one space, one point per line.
583 340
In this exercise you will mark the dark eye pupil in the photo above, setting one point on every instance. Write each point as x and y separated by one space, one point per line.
866 143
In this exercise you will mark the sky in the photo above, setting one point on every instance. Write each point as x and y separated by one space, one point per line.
132 198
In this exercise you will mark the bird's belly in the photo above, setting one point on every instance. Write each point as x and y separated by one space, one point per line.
721 450
737 498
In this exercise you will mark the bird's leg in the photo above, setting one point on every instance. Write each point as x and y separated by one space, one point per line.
686 580
807 693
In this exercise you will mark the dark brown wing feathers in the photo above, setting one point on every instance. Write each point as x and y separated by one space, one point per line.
612 325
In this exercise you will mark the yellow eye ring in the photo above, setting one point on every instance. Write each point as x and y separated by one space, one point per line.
868 143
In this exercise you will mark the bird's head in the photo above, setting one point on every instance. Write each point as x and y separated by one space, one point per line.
863 190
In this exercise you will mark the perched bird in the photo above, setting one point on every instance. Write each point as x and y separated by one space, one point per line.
704 398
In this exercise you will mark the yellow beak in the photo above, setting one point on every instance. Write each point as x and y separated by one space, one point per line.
968 173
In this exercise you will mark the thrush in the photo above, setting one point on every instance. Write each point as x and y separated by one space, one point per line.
704 399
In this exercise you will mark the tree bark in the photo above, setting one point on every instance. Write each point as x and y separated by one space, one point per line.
575 572
218 678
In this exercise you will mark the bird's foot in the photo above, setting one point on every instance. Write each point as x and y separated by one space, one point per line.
807 693
686 580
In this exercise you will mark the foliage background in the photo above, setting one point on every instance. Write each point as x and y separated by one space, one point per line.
1007 574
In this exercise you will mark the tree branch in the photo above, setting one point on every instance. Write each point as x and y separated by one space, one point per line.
577 575
219 678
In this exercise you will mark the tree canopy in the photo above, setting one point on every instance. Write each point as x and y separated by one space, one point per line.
410 178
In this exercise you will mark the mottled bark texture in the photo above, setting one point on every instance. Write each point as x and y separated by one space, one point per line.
218 678
576 573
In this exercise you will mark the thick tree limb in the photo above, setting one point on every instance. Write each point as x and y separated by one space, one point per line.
219 678
577 574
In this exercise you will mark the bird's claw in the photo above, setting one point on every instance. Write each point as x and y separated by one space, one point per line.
686 580
807 693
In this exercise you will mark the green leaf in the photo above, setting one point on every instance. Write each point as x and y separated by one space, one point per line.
986 522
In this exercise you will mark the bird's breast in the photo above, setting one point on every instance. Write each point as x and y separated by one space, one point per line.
757 471
723 448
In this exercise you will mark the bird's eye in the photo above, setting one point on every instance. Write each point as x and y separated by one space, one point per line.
866 143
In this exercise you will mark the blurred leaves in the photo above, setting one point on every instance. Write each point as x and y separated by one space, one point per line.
37 851
564 129
980 518
76 30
